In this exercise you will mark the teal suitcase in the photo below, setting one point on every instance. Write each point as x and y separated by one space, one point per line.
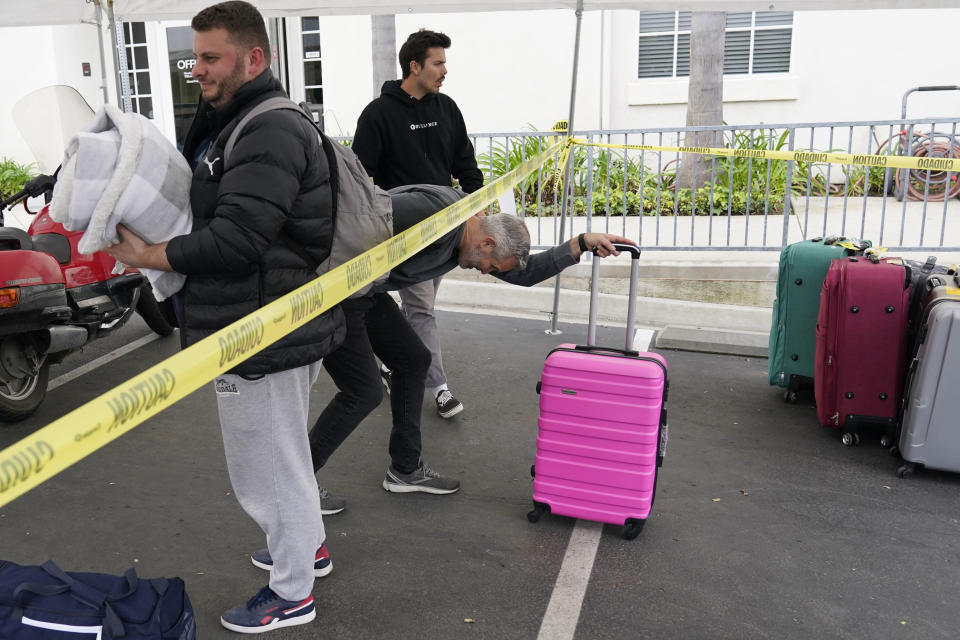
803 266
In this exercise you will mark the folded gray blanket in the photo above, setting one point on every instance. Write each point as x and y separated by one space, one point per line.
122 169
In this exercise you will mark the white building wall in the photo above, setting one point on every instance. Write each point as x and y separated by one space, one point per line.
30 64
508 70
505 70
347 71
41 56
74 45
845 65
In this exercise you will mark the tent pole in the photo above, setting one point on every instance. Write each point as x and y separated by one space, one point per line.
103 62
120 61
567 183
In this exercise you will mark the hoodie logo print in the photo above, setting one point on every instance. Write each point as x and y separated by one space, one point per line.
210 163
423 125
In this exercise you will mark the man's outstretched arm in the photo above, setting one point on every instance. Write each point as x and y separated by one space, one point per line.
547 264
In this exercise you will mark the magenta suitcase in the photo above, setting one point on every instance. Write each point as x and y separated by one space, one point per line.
602 427
861 345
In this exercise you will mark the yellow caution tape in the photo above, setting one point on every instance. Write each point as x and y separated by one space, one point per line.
899 162
76 435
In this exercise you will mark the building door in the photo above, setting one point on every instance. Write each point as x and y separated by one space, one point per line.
185 91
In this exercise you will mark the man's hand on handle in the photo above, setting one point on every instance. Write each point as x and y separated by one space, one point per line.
602 242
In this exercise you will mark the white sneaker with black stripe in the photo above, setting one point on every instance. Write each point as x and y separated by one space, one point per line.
447 405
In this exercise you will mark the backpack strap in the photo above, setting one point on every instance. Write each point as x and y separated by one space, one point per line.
274 104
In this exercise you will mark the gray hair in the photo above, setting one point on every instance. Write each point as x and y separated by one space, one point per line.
511 236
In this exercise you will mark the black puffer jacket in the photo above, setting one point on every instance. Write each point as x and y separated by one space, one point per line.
238 256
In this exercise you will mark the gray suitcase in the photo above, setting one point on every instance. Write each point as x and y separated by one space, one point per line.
930 432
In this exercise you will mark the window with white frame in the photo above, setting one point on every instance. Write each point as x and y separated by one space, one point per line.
756 42
312 72
138 68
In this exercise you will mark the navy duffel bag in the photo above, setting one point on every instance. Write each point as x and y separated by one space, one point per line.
47 603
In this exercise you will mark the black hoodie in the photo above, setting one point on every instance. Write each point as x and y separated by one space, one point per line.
401 140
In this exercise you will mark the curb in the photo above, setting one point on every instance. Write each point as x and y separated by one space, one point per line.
686 325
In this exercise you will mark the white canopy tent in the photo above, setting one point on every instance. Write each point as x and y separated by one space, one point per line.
52 12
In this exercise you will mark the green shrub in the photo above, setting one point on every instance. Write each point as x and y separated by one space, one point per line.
14 175
624 186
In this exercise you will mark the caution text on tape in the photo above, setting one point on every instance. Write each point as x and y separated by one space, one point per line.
897 162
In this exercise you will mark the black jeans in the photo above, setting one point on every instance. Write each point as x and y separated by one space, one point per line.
375 326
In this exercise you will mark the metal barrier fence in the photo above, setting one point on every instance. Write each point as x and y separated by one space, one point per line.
743 203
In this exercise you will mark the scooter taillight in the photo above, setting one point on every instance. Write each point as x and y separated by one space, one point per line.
9 297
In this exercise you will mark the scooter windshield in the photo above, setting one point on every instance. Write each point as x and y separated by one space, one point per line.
47 118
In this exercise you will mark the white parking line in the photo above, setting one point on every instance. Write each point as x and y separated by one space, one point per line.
643 339
560 620
563 610
102 360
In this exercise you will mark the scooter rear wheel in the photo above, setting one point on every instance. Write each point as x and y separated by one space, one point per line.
149 309
20 398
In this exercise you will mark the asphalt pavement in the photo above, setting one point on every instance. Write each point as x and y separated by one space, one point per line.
764 525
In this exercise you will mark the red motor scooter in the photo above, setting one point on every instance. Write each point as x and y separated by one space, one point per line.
53 299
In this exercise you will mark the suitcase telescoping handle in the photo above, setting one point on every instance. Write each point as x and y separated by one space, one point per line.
595 289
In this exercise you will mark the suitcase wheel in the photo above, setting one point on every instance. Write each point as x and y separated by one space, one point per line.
790 397
906 470
633 528
850 439
533 471
538 510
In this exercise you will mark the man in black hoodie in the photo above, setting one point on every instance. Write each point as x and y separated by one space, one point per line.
413 134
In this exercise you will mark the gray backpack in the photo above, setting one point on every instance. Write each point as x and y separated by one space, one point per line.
362 211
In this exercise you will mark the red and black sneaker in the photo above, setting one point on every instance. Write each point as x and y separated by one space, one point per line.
322 565
267 611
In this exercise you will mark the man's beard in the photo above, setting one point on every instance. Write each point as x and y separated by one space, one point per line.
228 87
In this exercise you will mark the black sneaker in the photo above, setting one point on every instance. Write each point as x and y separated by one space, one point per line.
385 378
322 565
447 405
267 611
422 479
330 504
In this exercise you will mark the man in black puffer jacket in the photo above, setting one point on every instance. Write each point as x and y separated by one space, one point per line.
239 257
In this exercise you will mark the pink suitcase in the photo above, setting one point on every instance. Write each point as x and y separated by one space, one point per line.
602 427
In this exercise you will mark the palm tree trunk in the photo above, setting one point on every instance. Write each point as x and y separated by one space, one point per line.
705 97
384 47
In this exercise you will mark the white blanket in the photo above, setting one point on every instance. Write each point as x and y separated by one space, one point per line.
122 169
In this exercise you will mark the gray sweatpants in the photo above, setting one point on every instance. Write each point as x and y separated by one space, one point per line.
264 425
418 301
